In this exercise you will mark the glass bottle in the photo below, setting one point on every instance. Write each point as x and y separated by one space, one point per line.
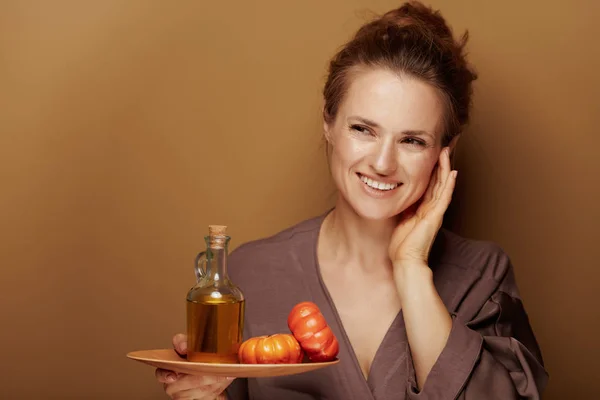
215 306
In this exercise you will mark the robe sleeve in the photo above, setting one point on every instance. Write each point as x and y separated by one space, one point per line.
490 355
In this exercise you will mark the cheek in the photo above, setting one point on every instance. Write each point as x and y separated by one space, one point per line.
419 166
347 151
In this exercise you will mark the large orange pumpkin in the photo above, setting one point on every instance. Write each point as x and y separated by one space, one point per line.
280 348
309 327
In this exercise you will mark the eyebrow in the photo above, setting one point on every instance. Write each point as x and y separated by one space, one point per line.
375 125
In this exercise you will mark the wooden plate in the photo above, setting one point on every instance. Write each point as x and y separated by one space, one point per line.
169 359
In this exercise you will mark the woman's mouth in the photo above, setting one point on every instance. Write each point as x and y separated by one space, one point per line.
373 184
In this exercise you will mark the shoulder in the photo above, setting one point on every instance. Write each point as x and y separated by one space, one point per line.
468 272
274 273
285 250
484 258
287 237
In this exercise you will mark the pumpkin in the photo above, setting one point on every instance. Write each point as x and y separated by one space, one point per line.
308 325
279 348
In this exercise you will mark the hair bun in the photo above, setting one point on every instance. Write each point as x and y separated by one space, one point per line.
422 20
416 14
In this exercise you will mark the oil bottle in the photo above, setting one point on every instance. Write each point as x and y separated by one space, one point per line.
215 306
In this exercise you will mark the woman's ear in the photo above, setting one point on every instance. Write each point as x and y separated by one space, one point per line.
326 126
326 131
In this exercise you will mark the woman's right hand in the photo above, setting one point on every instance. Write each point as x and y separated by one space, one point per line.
183 386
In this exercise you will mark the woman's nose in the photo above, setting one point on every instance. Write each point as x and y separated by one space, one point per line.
384 161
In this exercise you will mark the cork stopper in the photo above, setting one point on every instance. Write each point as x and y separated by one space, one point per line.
217 230
218 235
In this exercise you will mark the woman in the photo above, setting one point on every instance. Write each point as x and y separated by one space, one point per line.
420 313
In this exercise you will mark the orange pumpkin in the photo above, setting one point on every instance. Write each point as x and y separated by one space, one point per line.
280 348
309 327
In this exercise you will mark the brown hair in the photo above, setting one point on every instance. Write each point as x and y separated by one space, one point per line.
415 41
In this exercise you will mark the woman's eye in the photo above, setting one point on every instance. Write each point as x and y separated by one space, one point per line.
413 141
360 129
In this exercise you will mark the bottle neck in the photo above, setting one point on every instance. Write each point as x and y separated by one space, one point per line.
216 265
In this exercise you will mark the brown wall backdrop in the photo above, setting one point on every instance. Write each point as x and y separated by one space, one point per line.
128 126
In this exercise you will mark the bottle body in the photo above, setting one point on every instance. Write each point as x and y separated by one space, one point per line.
215 310
215 328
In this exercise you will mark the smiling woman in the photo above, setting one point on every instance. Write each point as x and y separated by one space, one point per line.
420 312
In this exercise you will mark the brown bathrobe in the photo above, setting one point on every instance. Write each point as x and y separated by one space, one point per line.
491 352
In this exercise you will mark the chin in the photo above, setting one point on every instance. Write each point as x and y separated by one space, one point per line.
373 211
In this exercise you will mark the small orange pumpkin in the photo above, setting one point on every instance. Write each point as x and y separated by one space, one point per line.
280 348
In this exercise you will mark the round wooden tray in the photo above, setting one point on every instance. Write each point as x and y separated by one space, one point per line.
170 360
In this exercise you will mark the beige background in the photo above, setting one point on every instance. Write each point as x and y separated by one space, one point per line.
128 126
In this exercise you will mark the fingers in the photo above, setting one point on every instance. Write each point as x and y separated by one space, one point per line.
443 172
197 387
433 183
446 181
438 177
165 376
210 392
180 344
446 196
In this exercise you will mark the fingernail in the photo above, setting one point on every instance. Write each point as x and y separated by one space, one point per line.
170 377
230 378
183 347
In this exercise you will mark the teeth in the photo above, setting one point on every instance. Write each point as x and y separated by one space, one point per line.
378 185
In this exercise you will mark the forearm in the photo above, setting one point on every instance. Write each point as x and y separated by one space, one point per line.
427 320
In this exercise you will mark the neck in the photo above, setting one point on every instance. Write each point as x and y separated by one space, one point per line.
354 240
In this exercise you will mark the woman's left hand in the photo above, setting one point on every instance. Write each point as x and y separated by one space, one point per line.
413 237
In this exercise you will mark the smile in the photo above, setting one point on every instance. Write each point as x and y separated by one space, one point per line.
377 185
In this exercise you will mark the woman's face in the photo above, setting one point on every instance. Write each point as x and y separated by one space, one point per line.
386 140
